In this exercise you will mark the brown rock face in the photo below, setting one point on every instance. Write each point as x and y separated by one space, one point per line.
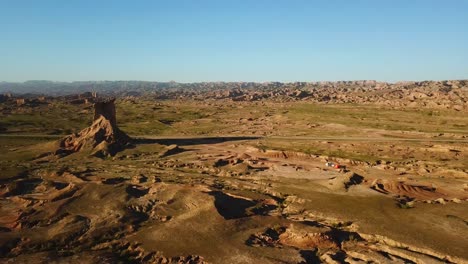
105 109
20 102
102 138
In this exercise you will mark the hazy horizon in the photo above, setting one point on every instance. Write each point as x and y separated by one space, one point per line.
220 81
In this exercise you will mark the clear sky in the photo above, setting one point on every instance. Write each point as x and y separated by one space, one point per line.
237 40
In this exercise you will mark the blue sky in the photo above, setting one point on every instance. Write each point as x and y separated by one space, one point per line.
256 40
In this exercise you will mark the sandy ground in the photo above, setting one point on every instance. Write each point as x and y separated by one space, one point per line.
243 185
227 201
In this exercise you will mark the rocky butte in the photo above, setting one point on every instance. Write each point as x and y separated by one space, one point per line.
102 138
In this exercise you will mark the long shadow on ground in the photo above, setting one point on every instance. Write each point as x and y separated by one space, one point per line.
230 207
189 141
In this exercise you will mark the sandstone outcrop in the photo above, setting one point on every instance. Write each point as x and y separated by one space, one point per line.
102 138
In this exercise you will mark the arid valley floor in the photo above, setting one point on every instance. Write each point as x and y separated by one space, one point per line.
313 175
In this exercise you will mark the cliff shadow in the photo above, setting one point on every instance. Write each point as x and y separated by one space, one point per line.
189 141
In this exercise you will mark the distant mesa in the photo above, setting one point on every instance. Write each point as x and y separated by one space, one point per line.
20 101
102 138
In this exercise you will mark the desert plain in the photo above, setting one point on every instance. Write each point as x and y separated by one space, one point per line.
336 172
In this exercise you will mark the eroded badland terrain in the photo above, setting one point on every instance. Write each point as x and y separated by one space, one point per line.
350 172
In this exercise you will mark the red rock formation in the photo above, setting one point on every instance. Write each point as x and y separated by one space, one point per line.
105 109
102 138
20 101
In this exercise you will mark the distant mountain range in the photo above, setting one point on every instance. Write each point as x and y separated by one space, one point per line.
63 88
120 87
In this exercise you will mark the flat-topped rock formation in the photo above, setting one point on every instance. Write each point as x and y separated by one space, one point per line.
102 138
